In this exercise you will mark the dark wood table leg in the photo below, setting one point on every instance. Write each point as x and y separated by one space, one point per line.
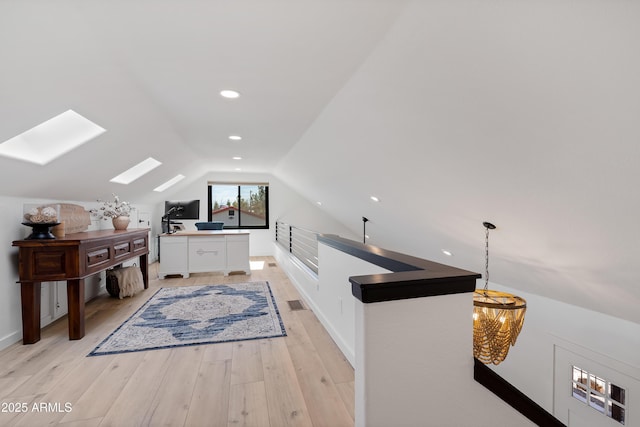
144 267
75 302
30 296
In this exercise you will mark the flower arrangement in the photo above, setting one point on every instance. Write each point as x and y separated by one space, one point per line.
112 209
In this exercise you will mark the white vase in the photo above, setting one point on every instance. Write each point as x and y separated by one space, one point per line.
120 222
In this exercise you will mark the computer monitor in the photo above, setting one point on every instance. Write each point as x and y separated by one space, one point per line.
185 209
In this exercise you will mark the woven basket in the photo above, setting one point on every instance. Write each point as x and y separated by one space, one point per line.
112 285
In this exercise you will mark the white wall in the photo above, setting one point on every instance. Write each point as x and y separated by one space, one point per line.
10 314
550 324
414 367
329 294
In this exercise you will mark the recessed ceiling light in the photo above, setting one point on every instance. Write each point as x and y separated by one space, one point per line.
136 171
319 203
235 137
446 252
51 139
237 158
231 94
169 183
375 199
238 169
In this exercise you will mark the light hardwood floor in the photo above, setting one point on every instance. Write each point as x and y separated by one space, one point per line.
298 380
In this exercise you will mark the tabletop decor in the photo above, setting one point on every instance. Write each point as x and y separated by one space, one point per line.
117 210
40 219
196 315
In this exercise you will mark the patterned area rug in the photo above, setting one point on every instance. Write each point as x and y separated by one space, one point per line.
194 315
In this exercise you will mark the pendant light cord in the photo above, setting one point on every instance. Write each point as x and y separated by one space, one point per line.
486 259
488 226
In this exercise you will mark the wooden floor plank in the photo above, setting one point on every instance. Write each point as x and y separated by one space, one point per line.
10 383
218 352
171 402
246 366
292 380
248 406
337 365
105 388
321 395
347 393
210 401
58 402
284 396
19 409
93 422
45 380
134 401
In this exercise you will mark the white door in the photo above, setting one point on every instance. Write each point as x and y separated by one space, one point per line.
143 220
60 303
576 412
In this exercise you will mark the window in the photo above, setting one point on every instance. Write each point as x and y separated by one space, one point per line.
239 205
598 393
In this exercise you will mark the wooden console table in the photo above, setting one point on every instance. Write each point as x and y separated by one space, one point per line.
73 258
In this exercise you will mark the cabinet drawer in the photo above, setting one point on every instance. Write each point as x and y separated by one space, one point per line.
207 255
121 249
238 238
46 263
205 239
179 240
97 256
139 244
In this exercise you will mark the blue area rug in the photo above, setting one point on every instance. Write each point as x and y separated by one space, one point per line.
195 315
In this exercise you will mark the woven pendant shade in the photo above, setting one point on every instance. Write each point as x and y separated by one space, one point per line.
497 321
497 317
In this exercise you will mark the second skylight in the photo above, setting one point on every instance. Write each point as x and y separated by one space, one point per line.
136 171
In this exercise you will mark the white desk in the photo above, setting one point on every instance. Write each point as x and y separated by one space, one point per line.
203 251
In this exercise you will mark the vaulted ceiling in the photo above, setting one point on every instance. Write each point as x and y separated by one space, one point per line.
150 73
521 113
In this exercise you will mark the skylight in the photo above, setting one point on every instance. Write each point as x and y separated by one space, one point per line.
51 139
137 171
169 183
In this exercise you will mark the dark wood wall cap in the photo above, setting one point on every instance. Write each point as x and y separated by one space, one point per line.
514 397
410 277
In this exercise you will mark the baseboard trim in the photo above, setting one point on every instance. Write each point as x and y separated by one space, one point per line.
9 340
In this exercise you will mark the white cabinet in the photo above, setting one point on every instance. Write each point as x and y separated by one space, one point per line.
174 256
203 251
237 248
207 254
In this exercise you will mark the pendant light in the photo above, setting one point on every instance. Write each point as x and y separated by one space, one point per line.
497 317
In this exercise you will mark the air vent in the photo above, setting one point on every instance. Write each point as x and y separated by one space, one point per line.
295 305
272 264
